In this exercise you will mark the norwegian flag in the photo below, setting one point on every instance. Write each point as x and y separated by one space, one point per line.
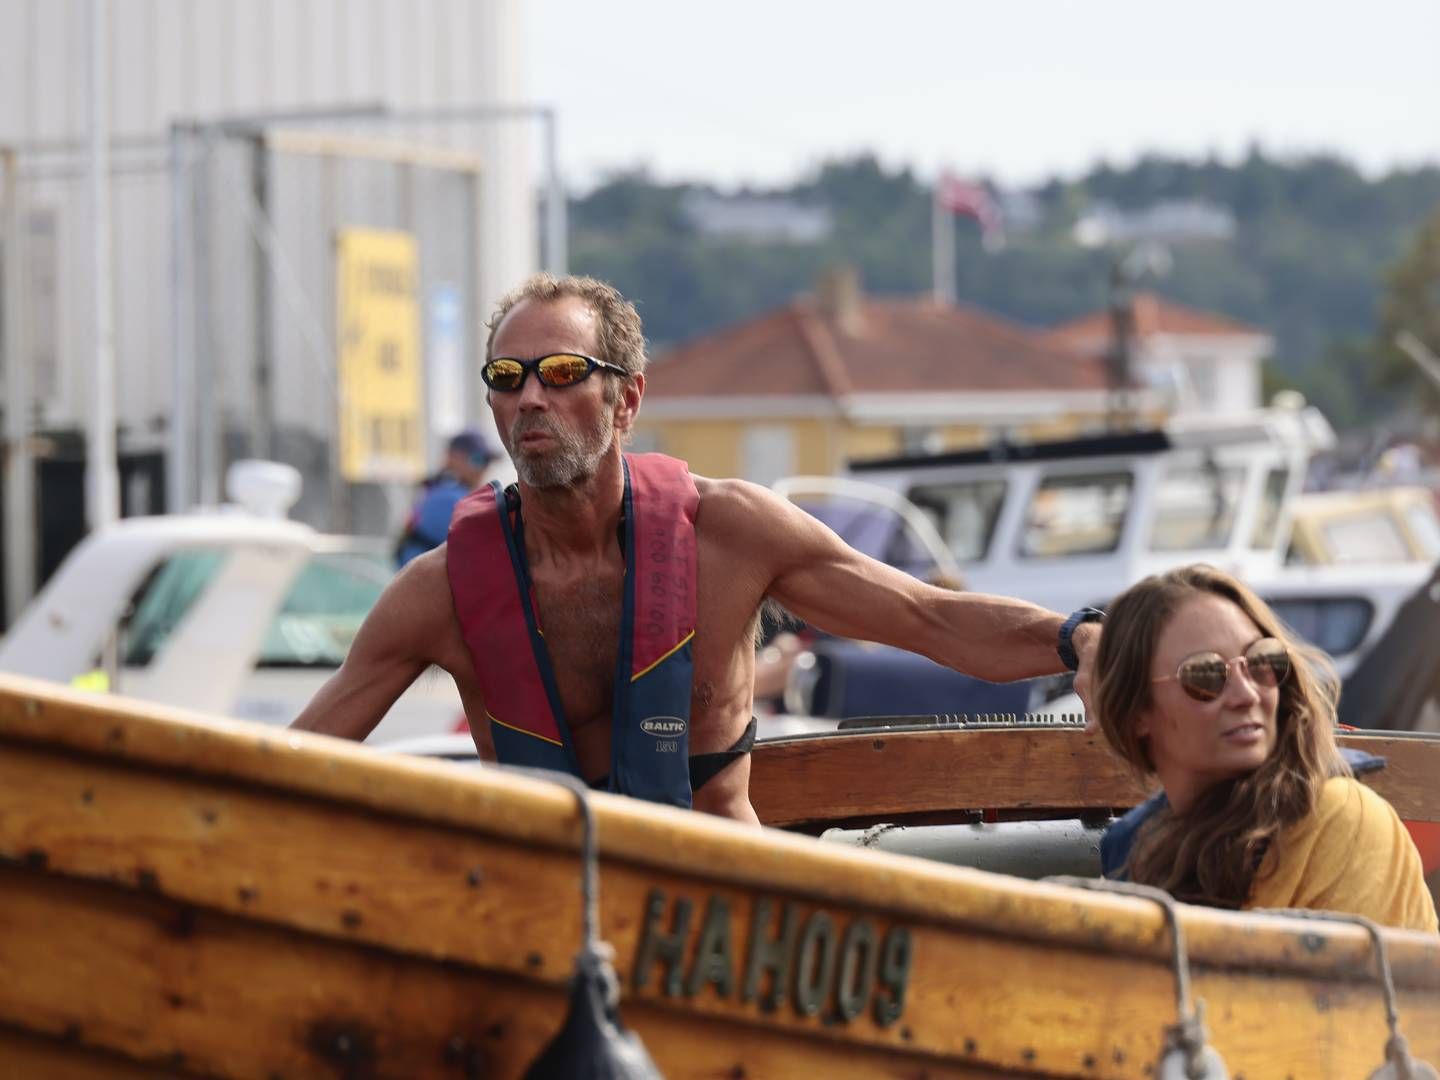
974 201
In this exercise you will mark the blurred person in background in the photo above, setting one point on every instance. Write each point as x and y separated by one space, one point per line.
467 456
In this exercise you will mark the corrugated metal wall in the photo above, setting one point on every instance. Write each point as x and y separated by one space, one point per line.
206 59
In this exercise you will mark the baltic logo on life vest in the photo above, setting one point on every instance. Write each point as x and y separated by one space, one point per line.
663 727
668 731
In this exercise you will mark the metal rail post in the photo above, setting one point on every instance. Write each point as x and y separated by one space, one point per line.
19 454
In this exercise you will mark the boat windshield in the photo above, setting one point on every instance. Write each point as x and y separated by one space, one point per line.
964 513
1195 505
322 612
163 600
1426 528
1077 514
1267 523
324 609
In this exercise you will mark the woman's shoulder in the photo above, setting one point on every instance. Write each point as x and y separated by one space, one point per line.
1345 799
1352 854
1345 810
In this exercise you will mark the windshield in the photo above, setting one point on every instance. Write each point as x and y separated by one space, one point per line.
1267 524
1195 505
322 612
963 513
324 609
1082 514
164 599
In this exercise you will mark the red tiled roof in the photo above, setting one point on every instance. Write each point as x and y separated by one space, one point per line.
1153 315
897 346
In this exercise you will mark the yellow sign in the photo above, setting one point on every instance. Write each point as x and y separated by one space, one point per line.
378 335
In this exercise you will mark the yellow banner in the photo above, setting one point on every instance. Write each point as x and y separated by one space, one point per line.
378 335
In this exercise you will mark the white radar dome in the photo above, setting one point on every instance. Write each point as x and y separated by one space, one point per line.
264 488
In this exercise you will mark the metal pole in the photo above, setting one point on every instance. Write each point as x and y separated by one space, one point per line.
19 455
180 432
339 518
102 480
263 407
207 406
1122 341
1416 350
942 250
556 253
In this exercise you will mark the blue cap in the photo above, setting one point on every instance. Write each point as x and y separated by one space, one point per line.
472 441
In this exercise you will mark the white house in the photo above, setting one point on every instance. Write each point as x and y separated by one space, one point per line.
1209 363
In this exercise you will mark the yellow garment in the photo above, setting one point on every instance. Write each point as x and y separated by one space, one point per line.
1350 854
96 680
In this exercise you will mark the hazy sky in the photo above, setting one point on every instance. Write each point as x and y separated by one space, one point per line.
762 90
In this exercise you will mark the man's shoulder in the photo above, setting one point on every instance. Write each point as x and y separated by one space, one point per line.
728 504
425 576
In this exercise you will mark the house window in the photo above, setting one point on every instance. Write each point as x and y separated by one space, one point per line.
921 440
767 453
644 441
1204 382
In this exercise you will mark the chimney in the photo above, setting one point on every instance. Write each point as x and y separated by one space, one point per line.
837 296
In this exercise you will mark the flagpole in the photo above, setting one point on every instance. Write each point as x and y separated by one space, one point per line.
942 248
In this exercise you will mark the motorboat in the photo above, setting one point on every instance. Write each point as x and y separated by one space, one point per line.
236 611
1072 523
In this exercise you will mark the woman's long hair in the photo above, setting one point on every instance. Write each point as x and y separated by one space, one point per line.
1211 853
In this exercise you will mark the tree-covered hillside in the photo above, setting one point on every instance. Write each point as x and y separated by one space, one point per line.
1312 245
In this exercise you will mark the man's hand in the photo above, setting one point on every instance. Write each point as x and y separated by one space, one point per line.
1085 641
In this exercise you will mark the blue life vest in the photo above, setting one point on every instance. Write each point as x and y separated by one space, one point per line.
1119 837
495 604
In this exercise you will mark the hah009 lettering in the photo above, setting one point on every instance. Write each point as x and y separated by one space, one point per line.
812 962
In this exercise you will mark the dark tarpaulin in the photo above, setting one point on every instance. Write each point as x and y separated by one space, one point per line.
1389 688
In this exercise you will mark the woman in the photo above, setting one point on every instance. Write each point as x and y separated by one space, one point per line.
1198 684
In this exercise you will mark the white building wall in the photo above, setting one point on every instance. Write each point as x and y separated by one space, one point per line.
205 59
1216 376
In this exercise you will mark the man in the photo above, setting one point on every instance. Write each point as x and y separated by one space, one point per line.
466 456
642 679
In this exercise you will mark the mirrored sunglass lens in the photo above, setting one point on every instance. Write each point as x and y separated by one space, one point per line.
504 374
1268 663
1203 677
563 370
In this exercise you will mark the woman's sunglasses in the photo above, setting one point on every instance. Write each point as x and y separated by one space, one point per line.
507 374
1204 675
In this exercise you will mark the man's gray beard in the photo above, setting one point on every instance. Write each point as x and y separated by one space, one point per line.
577 458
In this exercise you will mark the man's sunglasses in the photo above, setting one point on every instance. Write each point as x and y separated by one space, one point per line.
507 374
1204 675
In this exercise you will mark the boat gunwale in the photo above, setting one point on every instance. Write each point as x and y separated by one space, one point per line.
921 744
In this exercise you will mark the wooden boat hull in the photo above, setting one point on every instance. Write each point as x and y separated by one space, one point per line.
225 899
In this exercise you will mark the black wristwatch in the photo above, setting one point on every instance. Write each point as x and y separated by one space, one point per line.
1067 630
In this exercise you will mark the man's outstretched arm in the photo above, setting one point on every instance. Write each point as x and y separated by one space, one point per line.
821 579
393 647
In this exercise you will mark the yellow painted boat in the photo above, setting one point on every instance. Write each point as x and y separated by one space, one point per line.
182 896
